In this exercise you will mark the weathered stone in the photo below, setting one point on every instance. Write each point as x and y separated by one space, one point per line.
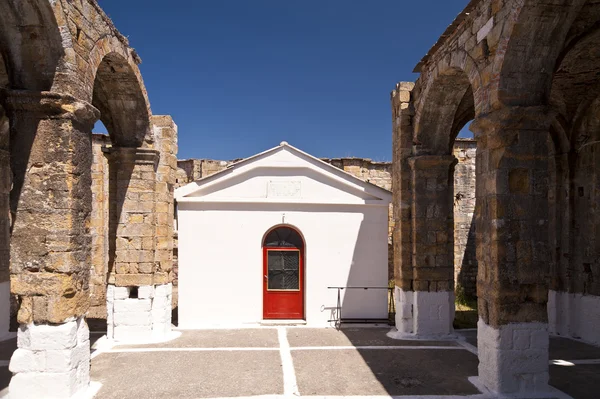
66 206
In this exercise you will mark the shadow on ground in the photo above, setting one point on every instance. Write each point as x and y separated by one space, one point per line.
6 350
370 363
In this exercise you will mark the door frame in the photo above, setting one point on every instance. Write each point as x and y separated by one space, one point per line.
302 269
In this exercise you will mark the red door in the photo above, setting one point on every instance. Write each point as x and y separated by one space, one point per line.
283 275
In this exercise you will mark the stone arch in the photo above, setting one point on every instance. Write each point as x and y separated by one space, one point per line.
30 43
575 101
575 78
116 88
450 98
533 37
31 50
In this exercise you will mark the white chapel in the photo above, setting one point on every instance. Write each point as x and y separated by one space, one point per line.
273 236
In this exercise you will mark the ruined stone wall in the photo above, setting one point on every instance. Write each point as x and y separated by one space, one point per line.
75 219
465 259
522 72
99 227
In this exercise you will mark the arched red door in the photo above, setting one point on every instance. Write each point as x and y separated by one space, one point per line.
283 274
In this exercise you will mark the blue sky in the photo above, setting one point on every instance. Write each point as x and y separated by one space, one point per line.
239 76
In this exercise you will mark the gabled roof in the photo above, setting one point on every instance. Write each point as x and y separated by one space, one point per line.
352 182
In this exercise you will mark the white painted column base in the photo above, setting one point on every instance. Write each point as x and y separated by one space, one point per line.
574 315
513 359
51 362
424 315
145 318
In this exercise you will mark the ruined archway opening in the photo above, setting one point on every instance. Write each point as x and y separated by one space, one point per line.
574 178
121 101
449 106
124 125
30 40
442 203
464 149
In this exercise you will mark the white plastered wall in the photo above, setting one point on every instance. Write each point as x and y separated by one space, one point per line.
221 265
223 219
574 315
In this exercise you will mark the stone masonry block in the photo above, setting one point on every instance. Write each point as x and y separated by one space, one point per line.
83 332
540 340
521 339
61 360
44 385
161 302
161 315
121 292
505 365
132 319
45 337
25 361
132 305
110 293
146 292
163 290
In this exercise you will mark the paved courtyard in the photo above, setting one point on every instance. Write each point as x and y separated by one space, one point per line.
289 361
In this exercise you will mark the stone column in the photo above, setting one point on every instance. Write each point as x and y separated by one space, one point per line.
50 245
137 297
432 294
512 249
165 135
402 116
560 305
5 183
99 230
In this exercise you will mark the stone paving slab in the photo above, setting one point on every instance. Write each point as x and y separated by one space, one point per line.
581 381
568 349
299 337
241 338
187 374
5 376
385 372
469 335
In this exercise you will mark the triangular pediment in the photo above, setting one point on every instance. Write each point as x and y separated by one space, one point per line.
283 174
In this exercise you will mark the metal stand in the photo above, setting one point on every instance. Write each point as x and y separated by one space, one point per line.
339 320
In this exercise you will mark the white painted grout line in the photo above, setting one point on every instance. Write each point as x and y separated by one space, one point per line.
116 349
223 349
471 348
290 385
475 396
479 385
308 348
551 392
